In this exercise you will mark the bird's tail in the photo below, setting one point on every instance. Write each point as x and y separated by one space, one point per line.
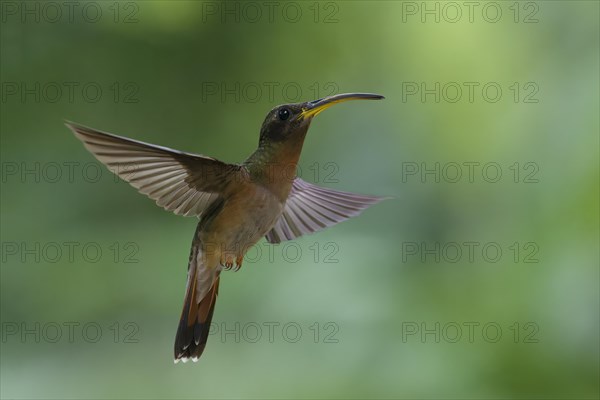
200 298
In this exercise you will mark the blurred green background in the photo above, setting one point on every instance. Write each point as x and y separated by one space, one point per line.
185 74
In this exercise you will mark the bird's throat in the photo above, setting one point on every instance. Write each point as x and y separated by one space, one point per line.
274 165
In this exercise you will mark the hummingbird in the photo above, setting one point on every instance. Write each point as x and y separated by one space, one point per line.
236 204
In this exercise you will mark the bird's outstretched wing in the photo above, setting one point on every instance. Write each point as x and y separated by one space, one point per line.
310 208
180 182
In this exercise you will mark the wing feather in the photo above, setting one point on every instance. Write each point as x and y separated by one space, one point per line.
181 182
311 208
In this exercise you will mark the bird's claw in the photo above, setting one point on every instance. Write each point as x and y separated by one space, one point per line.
227 262
238 262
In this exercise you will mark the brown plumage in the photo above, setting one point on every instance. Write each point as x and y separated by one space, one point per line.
237 203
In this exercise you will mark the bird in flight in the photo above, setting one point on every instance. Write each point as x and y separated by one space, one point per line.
237 204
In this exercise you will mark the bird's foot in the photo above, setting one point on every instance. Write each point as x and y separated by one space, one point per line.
228 262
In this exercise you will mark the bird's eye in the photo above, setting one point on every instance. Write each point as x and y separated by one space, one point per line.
283 114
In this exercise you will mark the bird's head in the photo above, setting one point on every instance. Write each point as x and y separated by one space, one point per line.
290 122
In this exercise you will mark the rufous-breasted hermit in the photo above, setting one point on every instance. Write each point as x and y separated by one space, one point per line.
237 204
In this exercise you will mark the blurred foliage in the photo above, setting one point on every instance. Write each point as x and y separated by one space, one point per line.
169 58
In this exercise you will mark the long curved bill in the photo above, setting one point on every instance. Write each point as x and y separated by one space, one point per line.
315 107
